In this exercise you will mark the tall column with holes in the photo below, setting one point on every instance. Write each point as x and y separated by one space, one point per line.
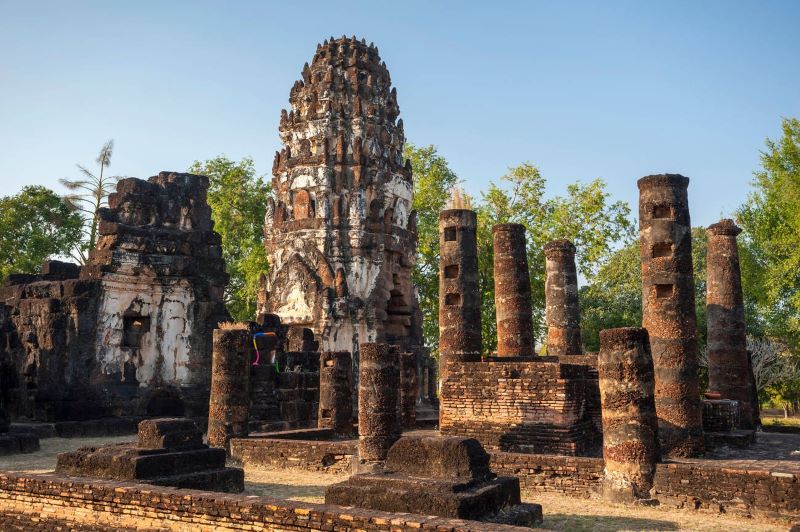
665 240
512 291
459 290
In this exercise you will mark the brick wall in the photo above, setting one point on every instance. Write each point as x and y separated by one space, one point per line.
50 502
301 449
519 405
571 475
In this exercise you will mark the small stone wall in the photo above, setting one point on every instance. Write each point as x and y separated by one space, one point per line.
310 451
45 502
519 405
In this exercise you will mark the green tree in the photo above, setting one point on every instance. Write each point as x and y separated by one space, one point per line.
238 199
433 181
586 216
35 225
770 242
89 195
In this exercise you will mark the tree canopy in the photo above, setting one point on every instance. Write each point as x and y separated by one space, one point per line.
238 199
35 225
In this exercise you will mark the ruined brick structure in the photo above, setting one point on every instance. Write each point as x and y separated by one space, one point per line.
446 477
459 289
562 313
229 403
339 232
513 403
169 452
379 398
630 424
729 370
130 332
409 390
665 240
512 291
335 392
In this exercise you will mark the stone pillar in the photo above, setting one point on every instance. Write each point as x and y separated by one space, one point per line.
335 393
665 240
728 359
512 292
562 312
408 390
630 424
378 398
229 402
459 289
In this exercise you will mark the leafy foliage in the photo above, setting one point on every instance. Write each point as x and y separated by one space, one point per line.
89 194
433 181
586 216
771 239
35 225
238 199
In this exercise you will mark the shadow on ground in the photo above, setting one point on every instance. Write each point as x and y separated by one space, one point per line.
603 523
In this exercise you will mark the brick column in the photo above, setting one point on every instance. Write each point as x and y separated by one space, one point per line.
378 399
459 289
512 292
665 240
335 393
408 390
630 424
728 360
562 311
229 402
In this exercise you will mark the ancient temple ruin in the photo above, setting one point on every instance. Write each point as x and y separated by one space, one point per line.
129 333
339 232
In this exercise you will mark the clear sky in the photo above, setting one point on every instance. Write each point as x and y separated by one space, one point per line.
616 90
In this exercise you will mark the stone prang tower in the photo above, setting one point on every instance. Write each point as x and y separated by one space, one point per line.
339 232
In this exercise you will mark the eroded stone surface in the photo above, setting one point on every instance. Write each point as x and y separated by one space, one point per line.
379 398
630 425
229 404
562 312
729 370
665 240
512 291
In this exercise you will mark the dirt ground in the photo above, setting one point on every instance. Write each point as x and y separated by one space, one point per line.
560 512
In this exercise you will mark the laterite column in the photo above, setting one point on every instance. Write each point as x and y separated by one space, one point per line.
335 395
562 311
512 292
459 289
729 371
229 402
665 241
408 390
630 424
378 400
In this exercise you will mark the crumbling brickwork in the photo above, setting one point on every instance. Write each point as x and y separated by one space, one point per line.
335 392
339 232
518 405
630 424
408 390
379 398
229 404
665 241
729 370
512 291
169 452
130 332
459 290
562 311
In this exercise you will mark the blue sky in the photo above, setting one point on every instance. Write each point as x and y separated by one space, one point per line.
616 90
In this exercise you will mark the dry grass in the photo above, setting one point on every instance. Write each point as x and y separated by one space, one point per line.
560 512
